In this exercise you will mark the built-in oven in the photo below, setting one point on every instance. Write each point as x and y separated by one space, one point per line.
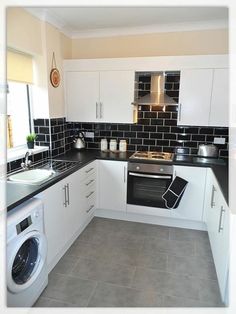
147 183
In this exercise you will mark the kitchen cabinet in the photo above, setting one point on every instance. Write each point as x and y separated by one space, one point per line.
68 207
192 202
100 96
203 97
82 96
195 96
220 98
112 185
217 221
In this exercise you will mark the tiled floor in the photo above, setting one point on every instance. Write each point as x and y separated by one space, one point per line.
117 263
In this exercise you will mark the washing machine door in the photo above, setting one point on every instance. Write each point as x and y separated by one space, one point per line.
26 256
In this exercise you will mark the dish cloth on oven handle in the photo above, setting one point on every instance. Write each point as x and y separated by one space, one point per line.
174 193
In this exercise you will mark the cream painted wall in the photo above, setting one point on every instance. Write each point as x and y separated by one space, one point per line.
202 42
66 47
23 31
56 95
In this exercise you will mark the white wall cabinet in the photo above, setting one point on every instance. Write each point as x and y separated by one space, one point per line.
82 96
220 98
195 96
217 221
99 96
203 97
112 185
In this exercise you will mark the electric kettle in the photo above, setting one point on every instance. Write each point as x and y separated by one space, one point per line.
79 142
207 150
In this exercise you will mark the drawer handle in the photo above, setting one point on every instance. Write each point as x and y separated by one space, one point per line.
91 207
212 196
65 196
91 181
89 194
87 171
220 221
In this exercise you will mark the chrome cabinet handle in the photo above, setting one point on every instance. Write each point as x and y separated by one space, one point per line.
179 111
68 194
91 207
91 181
124 174
220 220
96 109
101 104
212 196
87 196
148 176
65 198
87 171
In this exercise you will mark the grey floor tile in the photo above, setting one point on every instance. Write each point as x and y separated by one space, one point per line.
180 248
193 266
68 289
107 295
203 249
46 302
65 265
104 271
164 283
111 238
209 292
170 301
181 234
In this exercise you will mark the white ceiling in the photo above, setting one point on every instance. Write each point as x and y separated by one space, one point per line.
108 21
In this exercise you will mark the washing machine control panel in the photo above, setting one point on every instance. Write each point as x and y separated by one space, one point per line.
24 224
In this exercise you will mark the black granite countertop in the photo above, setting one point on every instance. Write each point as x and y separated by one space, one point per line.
18 193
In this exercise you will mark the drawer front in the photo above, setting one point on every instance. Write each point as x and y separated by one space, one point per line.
89 181
90 205
88 170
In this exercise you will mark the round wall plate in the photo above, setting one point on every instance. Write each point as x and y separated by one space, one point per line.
55 77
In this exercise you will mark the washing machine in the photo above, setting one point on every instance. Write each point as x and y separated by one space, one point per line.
26 265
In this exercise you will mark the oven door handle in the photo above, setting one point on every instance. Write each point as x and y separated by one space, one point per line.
134 174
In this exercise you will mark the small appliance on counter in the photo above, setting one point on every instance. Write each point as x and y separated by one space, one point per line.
207 150
79 141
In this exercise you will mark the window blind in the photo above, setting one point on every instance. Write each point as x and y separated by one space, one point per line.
19 67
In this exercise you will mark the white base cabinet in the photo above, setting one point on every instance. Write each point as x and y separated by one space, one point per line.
68 207
112 185
192 202
217 221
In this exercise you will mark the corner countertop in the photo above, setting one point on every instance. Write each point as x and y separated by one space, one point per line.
18 193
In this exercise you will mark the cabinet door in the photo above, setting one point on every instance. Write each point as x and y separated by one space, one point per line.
195 96
112 185
74 210
220 98
82 96
55 219
191 204
221 250
116 96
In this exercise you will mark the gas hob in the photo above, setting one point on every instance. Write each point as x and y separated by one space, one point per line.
161 156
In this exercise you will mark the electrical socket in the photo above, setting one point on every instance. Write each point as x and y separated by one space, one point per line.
219 140
89 134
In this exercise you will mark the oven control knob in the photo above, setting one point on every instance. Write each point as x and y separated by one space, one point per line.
137 168
36 214
161 169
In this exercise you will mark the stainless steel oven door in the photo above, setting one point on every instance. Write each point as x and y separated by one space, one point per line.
147 189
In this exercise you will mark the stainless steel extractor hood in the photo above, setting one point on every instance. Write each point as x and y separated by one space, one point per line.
157 94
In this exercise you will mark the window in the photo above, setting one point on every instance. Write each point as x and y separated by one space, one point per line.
19 122
20 78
